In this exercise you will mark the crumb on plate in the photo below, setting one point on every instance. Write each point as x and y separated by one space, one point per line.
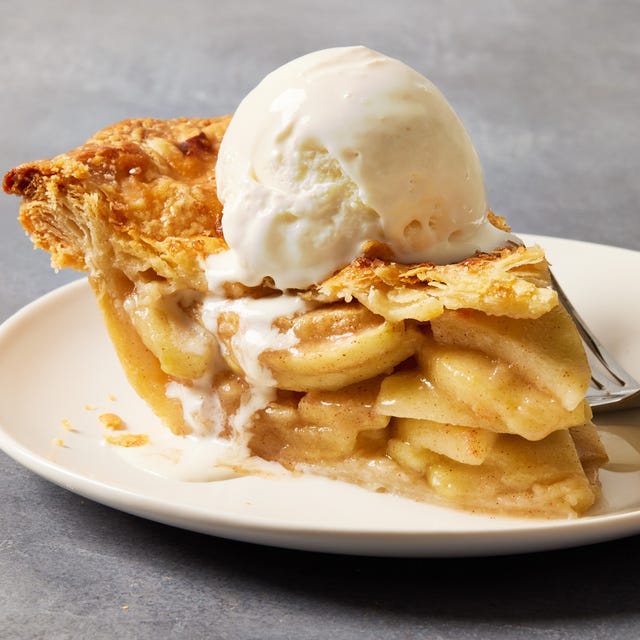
111 421
128 439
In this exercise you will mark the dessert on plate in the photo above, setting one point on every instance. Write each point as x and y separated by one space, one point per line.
317 281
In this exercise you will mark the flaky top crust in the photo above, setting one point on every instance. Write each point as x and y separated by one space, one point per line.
146 185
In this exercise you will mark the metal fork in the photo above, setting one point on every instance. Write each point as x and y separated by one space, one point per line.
612 387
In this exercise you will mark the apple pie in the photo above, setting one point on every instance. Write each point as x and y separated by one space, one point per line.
461 383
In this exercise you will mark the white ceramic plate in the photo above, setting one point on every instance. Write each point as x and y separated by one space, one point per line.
57 368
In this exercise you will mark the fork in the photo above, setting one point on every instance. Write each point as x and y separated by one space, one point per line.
612 388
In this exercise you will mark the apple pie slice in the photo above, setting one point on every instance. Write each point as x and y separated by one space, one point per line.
461 383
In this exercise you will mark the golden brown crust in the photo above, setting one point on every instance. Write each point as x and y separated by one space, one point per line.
145 186
513 281
140 365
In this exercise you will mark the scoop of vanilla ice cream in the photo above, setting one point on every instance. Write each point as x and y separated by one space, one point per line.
339 147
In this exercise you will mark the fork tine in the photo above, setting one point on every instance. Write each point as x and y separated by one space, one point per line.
613 387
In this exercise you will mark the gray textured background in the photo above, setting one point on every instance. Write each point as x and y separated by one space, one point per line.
550 94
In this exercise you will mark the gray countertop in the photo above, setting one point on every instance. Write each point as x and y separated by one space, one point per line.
549 92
